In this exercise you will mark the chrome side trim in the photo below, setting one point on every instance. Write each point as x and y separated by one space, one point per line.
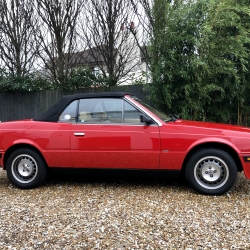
144 111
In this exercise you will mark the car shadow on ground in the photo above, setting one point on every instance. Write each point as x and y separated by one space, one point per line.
132 177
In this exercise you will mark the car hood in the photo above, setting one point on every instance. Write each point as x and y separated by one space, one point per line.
213 126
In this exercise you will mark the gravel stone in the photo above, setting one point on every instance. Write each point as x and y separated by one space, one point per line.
100 214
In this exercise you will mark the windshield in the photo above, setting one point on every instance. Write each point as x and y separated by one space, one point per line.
161 115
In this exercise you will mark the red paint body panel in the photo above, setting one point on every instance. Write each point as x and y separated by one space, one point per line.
116 146
159 146
179 137
51 139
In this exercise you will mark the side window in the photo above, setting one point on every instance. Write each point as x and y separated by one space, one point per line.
105 110
86 110
98 107
131 114
100 110
113 108
69 114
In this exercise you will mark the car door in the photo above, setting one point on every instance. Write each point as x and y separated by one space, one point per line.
108 134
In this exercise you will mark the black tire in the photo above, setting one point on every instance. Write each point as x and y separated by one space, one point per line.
211 171
26 168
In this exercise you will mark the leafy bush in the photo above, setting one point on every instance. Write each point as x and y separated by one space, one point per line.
80 78
200 58
9 82
84 78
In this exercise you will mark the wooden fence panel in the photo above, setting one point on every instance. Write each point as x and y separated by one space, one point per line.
25 105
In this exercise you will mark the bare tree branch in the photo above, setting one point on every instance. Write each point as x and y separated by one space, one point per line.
57 36
106 29
143 10
17 44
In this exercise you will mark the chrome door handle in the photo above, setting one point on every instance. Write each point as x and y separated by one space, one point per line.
79 134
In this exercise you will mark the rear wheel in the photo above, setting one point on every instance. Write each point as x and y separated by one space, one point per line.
26 168
211 171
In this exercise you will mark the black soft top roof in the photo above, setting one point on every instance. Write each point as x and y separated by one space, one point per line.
53 113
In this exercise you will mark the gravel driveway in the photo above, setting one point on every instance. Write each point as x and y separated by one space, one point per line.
120 214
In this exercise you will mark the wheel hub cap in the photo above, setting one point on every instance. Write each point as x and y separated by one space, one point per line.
211 172
24 168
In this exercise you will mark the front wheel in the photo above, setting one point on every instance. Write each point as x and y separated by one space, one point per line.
211 171
26 168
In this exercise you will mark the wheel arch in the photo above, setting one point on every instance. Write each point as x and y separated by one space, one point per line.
17 146
216 145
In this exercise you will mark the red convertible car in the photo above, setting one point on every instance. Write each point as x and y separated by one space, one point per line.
117 131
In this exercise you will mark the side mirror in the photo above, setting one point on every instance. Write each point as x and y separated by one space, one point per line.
145 119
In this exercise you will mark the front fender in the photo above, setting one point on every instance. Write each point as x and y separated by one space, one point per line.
211 141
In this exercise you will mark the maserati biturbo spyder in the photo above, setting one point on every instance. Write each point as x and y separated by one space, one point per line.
117 131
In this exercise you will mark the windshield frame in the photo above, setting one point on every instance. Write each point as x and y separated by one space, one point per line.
161 115
144 108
